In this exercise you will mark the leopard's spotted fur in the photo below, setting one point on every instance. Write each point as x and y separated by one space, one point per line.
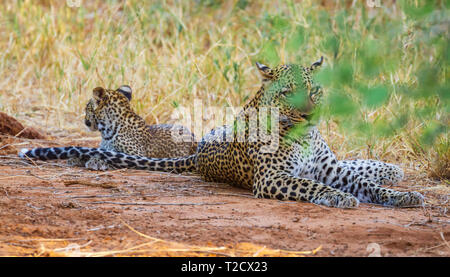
301 168
122 130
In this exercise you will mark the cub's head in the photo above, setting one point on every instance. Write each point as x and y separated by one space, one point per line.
105 105
291 89
89 116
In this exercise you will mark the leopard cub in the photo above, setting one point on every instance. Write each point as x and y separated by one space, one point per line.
122 130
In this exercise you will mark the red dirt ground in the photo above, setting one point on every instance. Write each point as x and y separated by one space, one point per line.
50 209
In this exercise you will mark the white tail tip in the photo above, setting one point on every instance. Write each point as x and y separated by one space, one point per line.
22 152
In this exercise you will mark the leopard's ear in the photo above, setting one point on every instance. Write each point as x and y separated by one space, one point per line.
265 71
125 90
317 64
99 93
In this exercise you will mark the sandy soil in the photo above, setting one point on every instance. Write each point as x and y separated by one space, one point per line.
50 209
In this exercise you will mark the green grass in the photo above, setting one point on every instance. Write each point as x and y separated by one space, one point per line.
385 72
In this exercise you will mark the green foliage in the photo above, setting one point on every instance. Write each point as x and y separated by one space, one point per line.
297 39
382 73
385 73
431 132
341 105
374 97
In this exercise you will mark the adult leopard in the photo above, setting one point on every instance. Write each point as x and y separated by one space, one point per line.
300 167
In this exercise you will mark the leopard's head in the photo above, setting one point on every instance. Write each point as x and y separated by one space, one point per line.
105 106
291 89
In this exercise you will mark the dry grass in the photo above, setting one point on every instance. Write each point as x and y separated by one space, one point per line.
151 247
174 52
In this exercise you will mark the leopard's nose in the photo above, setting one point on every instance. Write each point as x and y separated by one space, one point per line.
87 123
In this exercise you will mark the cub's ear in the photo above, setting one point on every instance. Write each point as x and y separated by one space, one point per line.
99 93
317 64
265 71
125 90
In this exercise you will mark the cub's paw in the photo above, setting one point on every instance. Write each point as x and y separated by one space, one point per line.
75 162
338 199
97 164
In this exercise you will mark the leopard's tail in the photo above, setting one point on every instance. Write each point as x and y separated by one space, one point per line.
115 159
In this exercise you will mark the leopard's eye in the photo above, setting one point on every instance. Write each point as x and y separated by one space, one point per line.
316 94
284 90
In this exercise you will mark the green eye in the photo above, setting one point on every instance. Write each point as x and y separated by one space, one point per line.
316 93
284 91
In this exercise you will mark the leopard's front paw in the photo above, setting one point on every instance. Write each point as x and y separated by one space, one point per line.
338 199
408 199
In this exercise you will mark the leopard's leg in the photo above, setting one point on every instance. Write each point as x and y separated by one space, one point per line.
348 177
376 171
328 167
94 163
370 192
284 186
76 162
